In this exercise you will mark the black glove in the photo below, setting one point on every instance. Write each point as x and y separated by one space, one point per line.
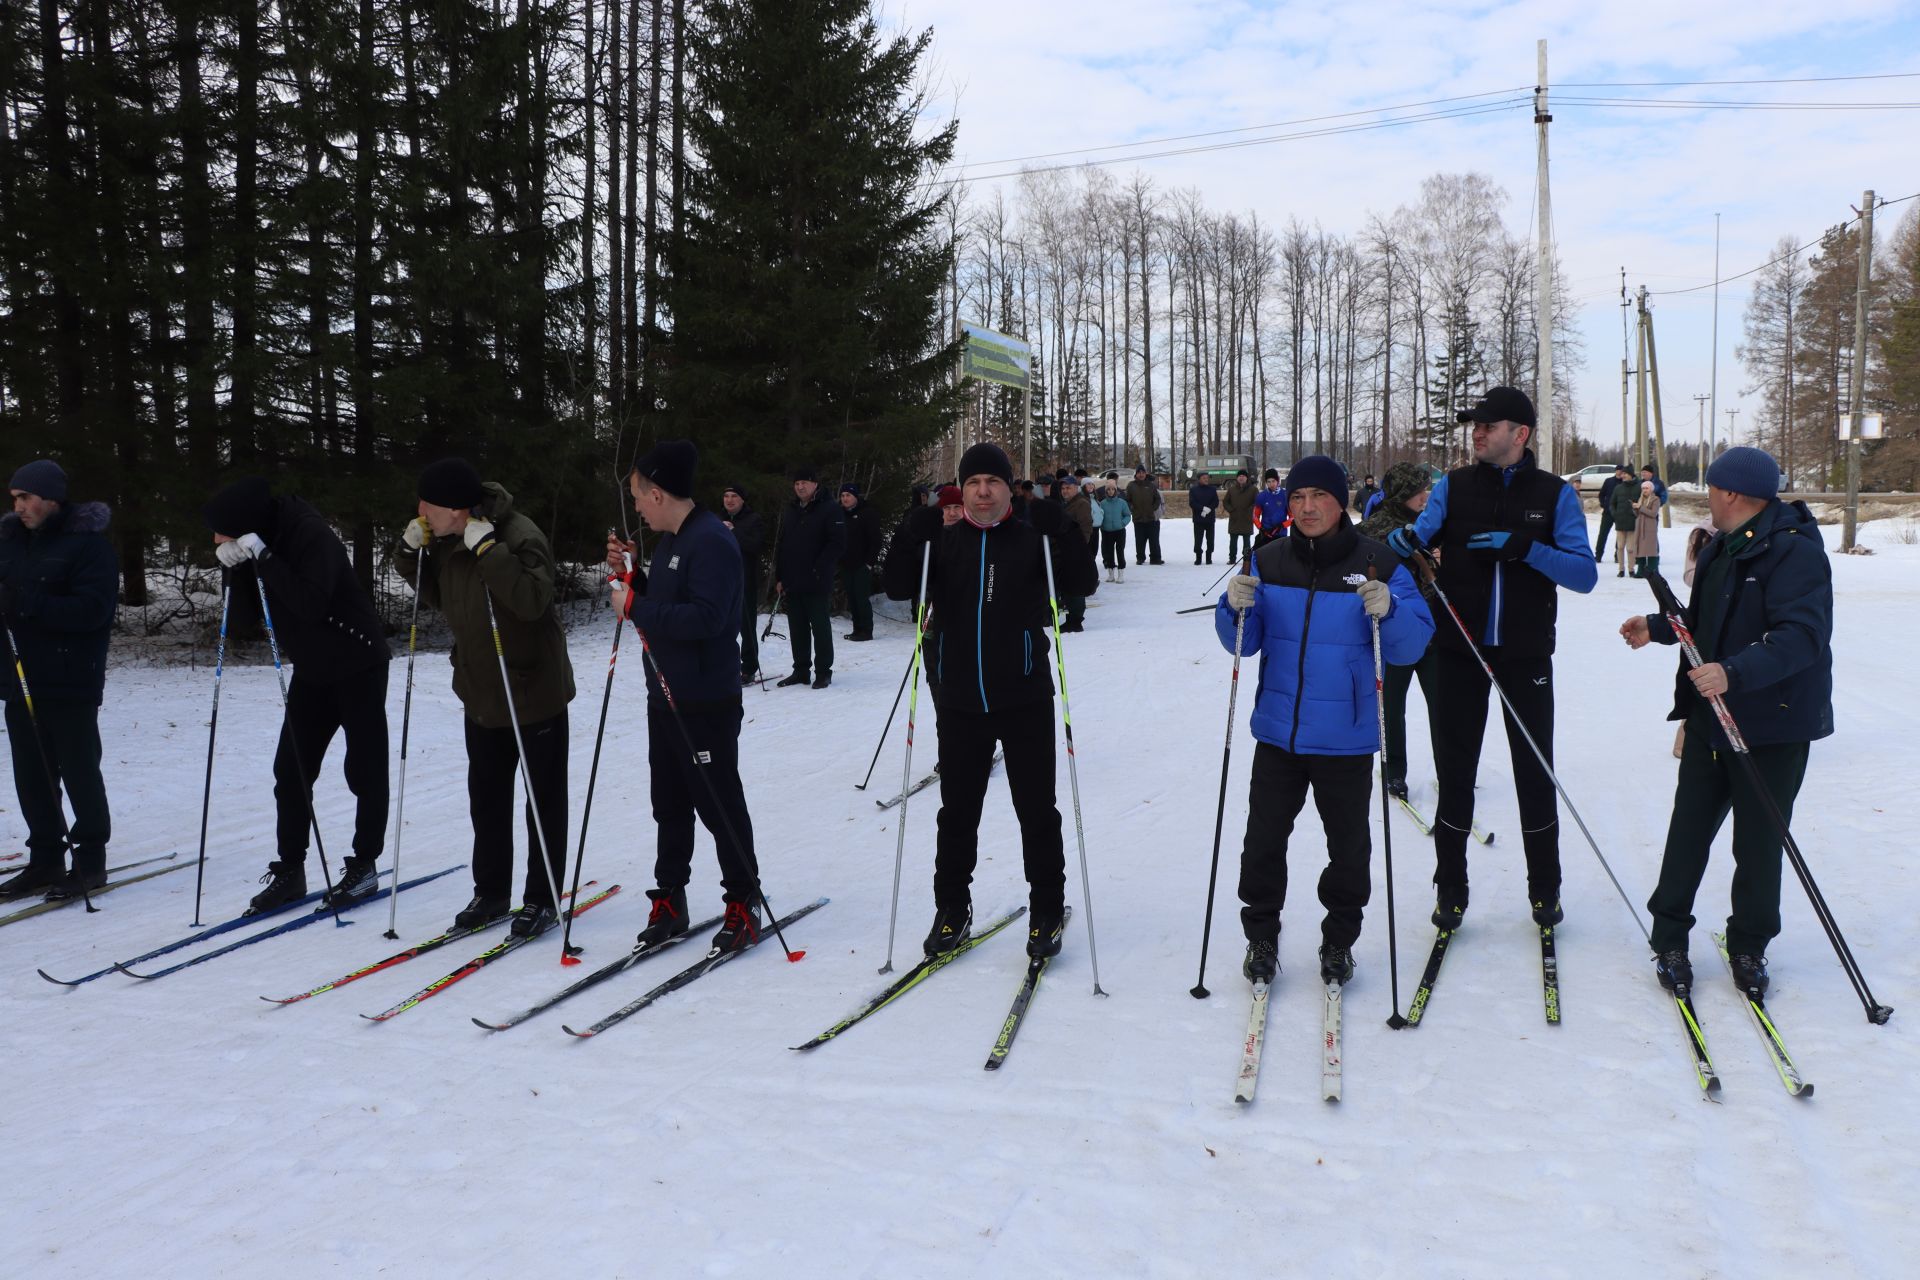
924 523
1047 518
1499 545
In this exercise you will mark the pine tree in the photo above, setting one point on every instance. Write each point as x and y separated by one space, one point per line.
801 290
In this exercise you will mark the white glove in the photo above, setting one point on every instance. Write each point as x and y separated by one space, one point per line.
247 546
1205 512
1241 589
479 532
418 534
1375 598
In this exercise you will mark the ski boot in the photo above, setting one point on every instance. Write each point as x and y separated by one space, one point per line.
951 927
1548 914
534 918
1750 975
1043 937
37 878
739 929
798 677
286 882
1263 960
480 912
358 878
1397 788
1336 965
1674 971
1450 906
667 919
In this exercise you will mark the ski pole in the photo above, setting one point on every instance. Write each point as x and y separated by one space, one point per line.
1877 1013
651 664
520 745
46 764
293 745
1199 608
406 723
1386 823
213 727
1199 991
1073 766
1240 564
773 611
906 766
894 710
567 951
1423 561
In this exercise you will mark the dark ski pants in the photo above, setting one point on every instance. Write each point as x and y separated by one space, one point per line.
1459 694
966 760
354 706
1711 784
492 781
860 598
1146 541
1113 548
1600 543
812 627
1202 538
1341 787
1238 545
70 732
680 791
750 627
1398 681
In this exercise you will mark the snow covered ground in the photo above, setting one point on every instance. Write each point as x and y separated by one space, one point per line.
184 1127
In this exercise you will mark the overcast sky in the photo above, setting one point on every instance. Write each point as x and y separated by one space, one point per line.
1634 187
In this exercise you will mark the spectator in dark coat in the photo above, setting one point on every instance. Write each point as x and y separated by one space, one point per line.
750 533
1203 500
1237 502
813 534
59 584
863 548
1607 486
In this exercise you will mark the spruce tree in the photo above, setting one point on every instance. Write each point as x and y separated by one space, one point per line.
801 290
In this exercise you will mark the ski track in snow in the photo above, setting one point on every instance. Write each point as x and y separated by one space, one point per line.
184 1127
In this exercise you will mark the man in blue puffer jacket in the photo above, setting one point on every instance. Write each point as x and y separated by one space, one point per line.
1307 608
1762 616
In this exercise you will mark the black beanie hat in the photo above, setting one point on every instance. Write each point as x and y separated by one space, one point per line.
1317 471
803 473
1271 475
985 459
245 506
43 478
452 483
670 465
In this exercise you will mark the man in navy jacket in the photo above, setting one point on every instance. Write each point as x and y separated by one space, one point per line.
1307 609
1762 616
689 620
1203 501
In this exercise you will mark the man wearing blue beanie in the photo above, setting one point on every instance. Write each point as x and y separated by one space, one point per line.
1512 535
1762 617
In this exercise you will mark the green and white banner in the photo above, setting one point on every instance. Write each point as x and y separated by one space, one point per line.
995 357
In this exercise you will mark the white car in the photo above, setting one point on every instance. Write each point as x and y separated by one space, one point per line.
1589 477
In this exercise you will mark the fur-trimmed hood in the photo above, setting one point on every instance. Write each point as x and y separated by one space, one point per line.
80 517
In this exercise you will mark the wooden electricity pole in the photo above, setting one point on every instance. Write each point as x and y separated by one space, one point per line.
1857 379
1543 271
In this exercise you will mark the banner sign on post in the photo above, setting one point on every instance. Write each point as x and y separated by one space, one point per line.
995 357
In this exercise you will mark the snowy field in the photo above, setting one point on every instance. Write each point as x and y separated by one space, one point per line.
184 1127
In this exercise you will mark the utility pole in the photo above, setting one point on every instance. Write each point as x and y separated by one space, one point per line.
1624 371
1730 418
1543 436
1659 417
1640 385
1857 380
1702 402
1713 388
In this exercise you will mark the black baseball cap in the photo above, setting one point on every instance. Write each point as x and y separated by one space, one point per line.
1500 404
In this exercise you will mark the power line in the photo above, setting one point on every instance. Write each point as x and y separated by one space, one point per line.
1692 84
1668 293
1725 104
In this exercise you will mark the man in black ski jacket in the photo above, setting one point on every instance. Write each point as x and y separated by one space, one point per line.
987 582
863 548
1203 500
59 585
326 627
687 607
813 533
750 533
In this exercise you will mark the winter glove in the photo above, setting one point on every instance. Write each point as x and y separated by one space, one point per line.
1241 590
1375 598
924 523
622 597
247 546
1206 513
418 534
479 535
1500 545
1048 518
1403 542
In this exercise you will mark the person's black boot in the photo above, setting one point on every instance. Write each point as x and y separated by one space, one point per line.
1336 965
1043 935
1750 975
739 928
534 918
1449 906
667 918
1548 914
286 882
798 677
1263 960
76 884
358 878
822 680
1397 788
951 927
481 912
37 878
1674 971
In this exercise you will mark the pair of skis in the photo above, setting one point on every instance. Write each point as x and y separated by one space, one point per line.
1430 976
930 965
930 779
1331 1068
1703 1069
54 904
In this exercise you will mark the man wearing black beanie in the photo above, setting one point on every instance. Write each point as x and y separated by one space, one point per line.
987 583
686 608
471 549
327 627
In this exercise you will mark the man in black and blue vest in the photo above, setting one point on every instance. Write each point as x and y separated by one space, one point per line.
1510 535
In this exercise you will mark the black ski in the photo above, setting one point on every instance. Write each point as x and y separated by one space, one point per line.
1704 1074
926 782
909 980
1769 1034
1021 999
1418 1009
698 969
598 976
1550 975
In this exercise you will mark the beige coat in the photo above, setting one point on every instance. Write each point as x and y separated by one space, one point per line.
1646 527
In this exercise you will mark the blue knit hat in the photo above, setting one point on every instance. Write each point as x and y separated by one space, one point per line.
1317 471
1746 470
42 478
